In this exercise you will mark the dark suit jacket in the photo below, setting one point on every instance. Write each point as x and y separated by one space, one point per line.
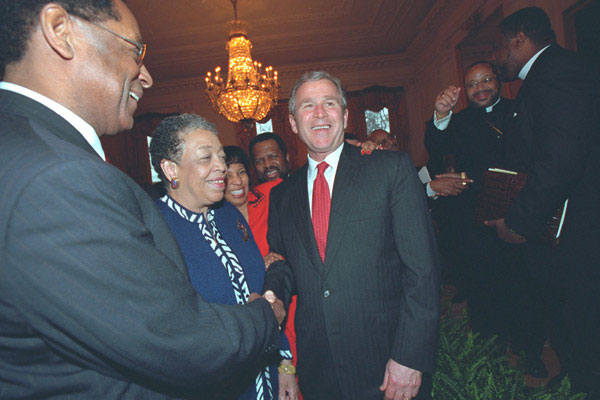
476 147
95 300
556 139
377 295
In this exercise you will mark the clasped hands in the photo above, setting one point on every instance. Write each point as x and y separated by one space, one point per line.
276 304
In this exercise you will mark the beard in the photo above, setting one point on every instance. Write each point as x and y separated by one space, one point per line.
508 73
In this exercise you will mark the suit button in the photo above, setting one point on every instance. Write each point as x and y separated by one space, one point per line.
326 293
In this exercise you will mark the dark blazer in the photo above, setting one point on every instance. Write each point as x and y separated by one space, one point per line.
95 299
377 295
556 139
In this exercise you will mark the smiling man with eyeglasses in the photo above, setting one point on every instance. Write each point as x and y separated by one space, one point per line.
474 139
95 298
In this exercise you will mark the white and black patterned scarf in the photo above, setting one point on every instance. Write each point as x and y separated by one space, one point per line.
231 263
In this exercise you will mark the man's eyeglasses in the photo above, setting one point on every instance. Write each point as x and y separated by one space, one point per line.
474 84
141 47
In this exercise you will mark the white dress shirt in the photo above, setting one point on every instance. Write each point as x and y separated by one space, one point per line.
333 160
85 129
525 70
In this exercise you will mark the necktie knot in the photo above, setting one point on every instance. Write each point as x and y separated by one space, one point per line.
321 167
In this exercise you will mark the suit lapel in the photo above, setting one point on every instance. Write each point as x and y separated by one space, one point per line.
302 219
342 202
23 106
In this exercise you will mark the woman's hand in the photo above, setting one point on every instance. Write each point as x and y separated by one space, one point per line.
288 387
271 258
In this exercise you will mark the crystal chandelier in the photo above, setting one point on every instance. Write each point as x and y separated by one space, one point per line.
249 91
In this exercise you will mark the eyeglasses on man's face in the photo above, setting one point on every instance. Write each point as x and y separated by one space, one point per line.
141 47
483 81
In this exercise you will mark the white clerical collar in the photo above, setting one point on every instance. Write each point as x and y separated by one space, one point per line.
332 159
525 70
86 130
490 108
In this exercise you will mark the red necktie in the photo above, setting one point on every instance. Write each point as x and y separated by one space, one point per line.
321 203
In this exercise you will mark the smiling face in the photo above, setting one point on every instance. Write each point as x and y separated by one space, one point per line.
110 74
236 191
269 161
320 119
201 171
482 86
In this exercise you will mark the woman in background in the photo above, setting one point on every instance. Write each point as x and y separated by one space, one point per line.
224 263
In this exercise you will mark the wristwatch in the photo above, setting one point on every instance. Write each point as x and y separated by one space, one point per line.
286 369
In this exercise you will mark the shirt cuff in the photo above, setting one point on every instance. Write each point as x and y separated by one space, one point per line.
441 123
430 192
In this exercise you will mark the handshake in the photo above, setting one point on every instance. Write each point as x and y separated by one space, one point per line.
276 304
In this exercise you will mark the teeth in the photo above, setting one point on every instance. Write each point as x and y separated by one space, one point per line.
217 181
134 96
237 192
321 127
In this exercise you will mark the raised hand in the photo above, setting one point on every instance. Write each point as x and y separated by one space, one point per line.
446 100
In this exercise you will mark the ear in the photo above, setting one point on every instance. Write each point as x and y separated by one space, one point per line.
345 118
57 28
519 41
169 168
293 124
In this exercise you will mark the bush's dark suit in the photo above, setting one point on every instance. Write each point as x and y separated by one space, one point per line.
95 300
557 141
377 295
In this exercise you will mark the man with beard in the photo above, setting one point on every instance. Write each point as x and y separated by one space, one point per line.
480 265
269 157
556 140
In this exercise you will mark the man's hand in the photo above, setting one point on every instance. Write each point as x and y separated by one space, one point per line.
449 184
504 233
276 304
270 258
400 382
446 100
288 387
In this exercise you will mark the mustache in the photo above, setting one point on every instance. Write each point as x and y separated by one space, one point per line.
267 170
483 91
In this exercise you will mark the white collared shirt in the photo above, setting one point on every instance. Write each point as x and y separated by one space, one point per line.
86 130
525 70
333 160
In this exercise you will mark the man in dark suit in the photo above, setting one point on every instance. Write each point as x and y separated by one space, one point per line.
360 254
556 140
95 299
487 271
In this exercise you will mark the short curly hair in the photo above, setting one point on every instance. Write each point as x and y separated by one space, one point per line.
18 19
168 139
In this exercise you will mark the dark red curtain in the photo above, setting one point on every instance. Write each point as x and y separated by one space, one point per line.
128 150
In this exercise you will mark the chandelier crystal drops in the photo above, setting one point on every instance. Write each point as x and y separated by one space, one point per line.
249 91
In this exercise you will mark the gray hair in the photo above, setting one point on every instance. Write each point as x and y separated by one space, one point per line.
313 76
168 138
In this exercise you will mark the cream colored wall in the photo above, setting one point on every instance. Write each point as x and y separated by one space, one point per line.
430 65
